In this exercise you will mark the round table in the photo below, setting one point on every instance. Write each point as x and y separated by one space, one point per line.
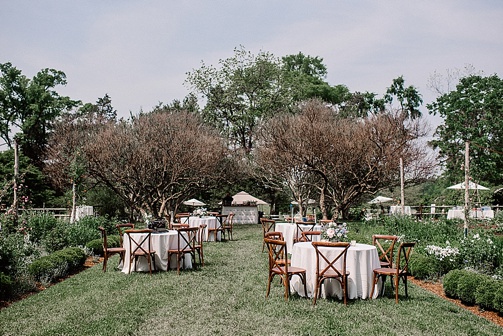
211 223
161 242
289 231
361 261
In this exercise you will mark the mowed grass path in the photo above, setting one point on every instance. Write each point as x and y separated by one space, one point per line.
226 297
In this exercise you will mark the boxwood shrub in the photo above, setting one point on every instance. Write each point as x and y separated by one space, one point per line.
450 283
498 299
58 264
484 296
468 283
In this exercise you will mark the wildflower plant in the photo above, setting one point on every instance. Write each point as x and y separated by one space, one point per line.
479 252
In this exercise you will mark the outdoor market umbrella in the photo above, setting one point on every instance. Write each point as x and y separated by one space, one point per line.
194 202
380 199
471 185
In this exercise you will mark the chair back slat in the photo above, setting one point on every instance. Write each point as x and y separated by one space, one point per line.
321 255
277 250
403 258
385 245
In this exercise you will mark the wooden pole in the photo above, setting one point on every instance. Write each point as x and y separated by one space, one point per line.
16 176
402 193
467 185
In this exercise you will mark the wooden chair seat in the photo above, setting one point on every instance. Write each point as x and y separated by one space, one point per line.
276 250
396 273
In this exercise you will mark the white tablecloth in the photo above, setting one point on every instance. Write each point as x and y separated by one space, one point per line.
211 223
397 210
161 242
361 261
289 231
460 213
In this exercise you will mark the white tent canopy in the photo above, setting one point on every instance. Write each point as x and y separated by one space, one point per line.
243 197
471 185
309 201
380 199
194 202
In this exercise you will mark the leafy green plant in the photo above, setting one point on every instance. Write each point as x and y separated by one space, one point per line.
468 283
450 282
478 251
6 285
423 266
484 296
49 268
498 299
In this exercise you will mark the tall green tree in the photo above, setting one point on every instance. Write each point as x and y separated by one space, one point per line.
473 112
28 107
245 90
408 97
307 74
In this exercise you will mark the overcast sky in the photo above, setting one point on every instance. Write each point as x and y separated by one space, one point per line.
140 51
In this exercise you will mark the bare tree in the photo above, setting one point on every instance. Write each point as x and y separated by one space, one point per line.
349 157
153 161
156 160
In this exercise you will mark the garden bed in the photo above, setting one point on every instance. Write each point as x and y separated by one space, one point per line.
437 289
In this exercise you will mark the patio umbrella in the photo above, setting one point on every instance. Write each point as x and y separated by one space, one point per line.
194 202
380 199
471 185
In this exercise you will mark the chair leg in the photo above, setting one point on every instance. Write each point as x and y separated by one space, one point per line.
269 280
317 291
105 258
375 279
397 279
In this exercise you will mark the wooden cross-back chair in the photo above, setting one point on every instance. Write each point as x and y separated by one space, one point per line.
141 247
399 271
268 225
330 271
308 236
109 251
214 231
301 229
228 226
201 235
277 235
276 250
385 245
121 228
182 217
186 238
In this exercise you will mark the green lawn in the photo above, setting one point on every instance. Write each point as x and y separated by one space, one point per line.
226 297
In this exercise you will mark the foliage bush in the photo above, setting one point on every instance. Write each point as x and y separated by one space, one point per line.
468 283
478 251
498 299
16 253
6 286
49 268
423 266
86 229
450 283
40 224
432 232
486 289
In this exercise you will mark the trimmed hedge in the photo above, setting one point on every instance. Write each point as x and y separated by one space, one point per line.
58 264
485 294
474 288
468 283
450 283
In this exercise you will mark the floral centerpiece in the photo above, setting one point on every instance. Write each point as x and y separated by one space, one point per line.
334 232
200 212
